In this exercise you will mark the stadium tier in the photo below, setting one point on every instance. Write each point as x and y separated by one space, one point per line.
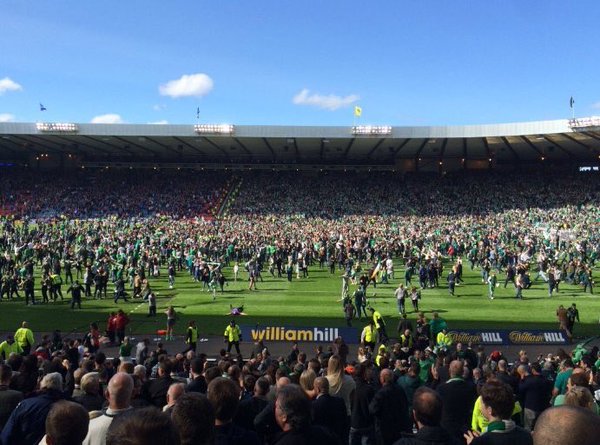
439 149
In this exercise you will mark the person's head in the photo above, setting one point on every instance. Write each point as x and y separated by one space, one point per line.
146 426
5 374
66 424
175 391
497 400
119 391
261 387
322 385
386 377
292 408
194 418
90 383
456 368
307 381
24 325
224 394
427 406
580 396
52 381
567 425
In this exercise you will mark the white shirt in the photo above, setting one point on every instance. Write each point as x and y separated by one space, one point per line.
99 427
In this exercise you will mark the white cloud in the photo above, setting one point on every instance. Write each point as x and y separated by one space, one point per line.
162 122
330 102
596 106
7 84
7 117
199 84
159 107
110 118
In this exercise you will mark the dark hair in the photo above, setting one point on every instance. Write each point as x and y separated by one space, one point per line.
294 403
427 406
499 397
67 423
224 395
197 365
263 386
211 373
580 379
194 418
146 426
5 373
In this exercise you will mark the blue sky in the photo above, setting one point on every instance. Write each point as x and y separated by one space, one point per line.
404 62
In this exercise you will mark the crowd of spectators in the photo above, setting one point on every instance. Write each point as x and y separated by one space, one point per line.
64 393
104 225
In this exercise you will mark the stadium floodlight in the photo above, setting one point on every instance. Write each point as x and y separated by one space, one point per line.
584 122
371 130
214 129
57 127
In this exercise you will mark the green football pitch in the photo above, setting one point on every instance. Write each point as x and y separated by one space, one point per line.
312 301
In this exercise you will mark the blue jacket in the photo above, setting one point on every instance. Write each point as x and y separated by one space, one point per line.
27 423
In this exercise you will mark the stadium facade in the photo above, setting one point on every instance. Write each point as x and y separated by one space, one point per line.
47 145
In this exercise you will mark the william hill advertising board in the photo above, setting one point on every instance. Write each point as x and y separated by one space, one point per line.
514 337
294 333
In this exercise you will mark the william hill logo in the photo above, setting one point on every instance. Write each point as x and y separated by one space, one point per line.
538 337
477 337
280 333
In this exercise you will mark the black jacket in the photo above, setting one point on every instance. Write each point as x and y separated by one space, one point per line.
361 417
197 385
248 410
458 397
430 435
516 436
390 409
330 412
313 435
155 391
535 392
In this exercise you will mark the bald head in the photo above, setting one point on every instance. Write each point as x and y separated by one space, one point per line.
175 391
567 425
322 385
120 388
456 368
386 377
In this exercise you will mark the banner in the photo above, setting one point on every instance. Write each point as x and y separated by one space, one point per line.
294 333
507 338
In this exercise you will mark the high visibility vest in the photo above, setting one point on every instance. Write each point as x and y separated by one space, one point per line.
192 335
369 334
232 333
378 320
444 339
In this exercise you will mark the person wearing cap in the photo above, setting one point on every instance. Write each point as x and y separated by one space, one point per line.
24 337
8 347
233 336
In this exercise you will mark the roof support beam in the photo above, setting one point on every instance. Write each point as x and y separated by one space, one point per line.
374 149
141 147
218 148
571 138
418 153
106 152
401 146
266 141
532 145
555 144
510 147
348 148
182 142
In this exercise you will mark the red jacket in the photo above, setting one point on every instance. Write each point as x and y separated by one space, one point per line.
121 321
111 323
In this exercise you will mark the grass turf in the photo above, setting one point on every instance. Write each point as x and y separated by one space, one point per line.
313 301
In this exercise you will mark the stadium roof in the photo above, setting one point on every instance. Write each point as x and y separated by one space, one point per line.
559 140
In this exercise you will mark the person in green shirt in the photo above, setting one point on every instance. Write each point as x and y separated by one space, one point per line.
560 384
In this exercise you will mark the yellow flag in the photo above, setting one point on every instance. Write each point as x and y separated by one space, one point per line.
357 111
